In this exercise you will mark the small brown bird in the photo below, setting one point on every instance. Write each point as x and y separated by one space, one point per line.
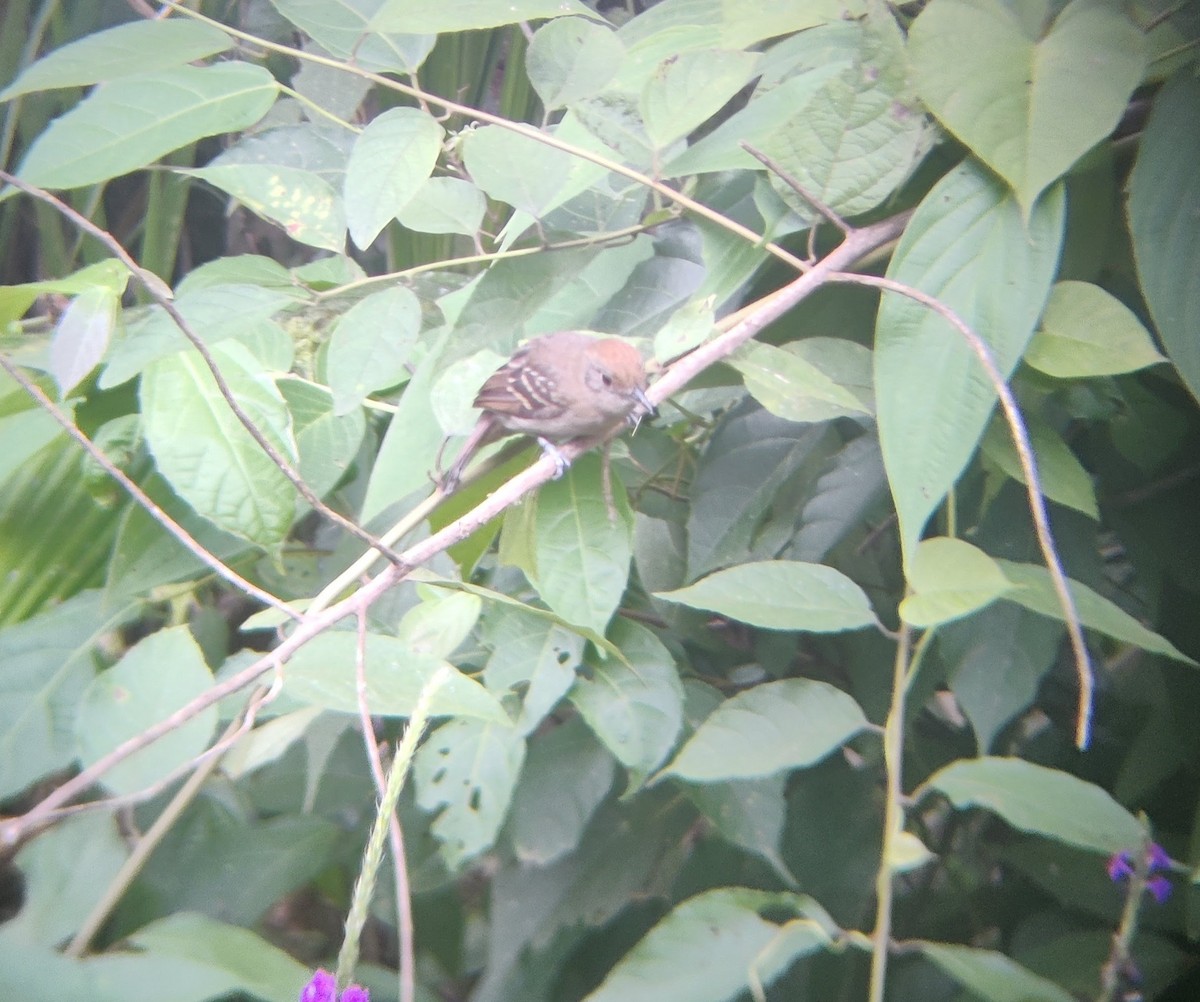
557 387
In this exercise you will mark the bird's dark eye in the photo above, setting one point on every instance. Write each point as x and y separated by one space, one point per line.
606 379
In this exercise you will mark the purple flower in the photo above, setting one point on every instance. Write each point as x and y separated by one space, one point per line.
321 988
355 993
1160 887
1157 858
1120 867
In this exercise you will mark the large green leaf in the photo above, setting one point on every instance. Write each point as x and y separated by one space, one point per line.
708 949
344 30
950 578
566 776
466 773
1041 801
1164 203
1086 331
392 158
372 346
304 205
991 976
48 664
1035 591
437 16
582 556
571 58
154 679
861 134
1033 99
128 49
790 386
131 122
967 246
687 89
322 673
205 452
774 726
781 595
636 709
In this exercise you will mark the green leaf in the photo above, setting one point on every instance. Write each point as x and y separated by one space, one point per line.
781 595
128 49
48 663
1086 331
790 386
15 300
860 135
24 428
410 446
754 125
1034 99
708 949
345 31
636 709
1041 801
154 679
445 205
532 655
322 673
466 773
391 159
213 312
582 557
1035 591
81 336
326 441
64 871
775 726
991 976
372 345
304 205
571 58
748 813
1063 478
440 623
206 453
515 168
950 579
131 122
566 776
437 16
968 247
1164 198
686 90
225 958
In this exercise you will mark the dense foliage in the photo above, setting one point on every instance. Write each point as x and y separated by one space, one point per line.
865 669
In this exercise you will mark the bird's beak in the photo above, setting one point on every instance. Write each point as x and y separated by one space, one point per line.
648 409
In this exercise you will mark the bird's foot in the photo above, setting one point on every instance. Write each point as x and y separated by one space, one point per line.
560 461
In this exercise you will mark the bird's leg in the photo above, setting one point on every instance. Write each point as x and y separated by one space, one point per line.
560 461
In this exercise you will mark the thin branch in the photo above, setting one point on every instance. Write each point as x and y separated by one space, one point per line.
184 538
893 816
792 182
1037 501
162 296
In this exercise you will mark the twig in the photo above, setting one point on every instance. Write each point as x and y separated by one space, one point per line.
1037 501
181 534
790 180
161 295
